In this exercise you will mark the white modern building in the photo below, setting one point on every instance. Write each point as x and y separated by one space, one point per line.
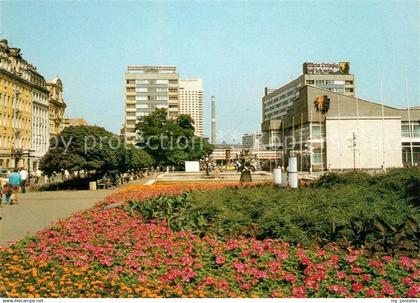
335 77
148 88
328 130
191 102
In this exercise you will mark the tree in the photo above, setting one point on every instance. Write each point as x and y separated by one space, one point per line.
132 158
171 141
91 148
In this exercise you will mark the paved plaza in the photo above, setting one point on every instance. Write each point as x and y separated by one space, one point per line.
37 210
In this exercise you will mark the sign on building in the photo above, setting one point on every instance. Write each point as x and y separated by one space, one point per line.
311 68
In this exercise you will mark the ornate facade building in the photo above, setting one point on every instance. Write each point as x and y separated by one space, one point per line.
26 107
57 106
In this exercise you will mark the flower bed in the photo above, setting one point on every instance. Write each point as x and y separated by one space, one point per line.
108 253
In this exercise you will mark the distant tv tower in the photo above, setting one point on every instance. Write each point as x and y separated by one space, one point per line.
213 120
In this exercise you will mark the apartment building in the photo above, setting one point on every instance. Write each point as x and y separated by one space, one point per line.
191 102
148 88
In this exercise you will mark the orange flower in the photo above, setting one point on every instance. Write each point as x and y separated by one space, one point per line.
34 272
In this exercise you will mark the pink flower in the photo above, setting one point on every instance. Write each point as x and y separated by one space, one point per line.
387 288
220 260
371 293
351 258
299 292
209 280
407 264
246 287
239 267
407 281
341 275
289 277
376 263
356 270
387 259
413 291
338 289
232 244
357 287
282 255
223 285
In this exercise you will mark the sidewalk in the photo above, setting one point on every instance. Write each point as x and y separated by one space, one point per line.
37 210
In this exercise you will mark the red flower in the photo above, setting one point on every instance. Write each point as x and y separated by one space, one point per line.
282 255
356 270
246 287
371 293
357 287
407 264
299 292
414 291
338 289
220 260
407 281
341 275
387 288
376 263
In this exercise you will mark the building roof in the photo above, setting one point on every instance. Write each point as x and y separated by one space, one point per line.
75 122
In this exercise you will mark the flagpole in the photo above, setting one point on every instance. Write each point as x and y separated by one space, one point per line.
310 144
383 128
358 124
339 131
409 116
321 142
301 142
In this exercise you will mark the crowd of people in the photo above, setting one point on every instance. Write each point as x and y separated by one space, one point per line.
14 183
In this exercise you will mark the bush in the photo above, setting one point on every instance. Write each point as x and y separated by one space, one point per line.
71 184
375 212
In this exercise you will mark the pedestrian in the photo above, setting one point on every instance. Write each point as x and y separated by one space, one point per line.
37 176
7 191
3 182
24 178
15 181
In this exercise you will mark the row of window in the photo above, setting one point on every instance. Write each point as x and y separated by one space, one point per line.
152 81
323 82
415 131
14 86
8 142
15 122
15 103
151 89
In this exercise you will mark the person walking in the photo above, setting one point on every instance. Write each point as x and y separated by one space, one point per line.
7 191
15 182
24 177
2 184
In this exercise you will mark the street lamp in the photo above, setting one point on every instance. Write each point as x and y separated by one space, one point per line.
16 155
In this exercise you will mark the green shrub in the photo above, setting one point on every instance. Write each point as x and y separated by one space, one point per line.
344 209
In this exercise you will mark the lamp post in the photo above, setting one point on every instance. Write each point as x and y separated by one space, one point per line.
16 155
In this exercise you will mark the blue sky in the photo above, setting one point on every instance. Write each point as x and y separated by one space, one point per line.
237 48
